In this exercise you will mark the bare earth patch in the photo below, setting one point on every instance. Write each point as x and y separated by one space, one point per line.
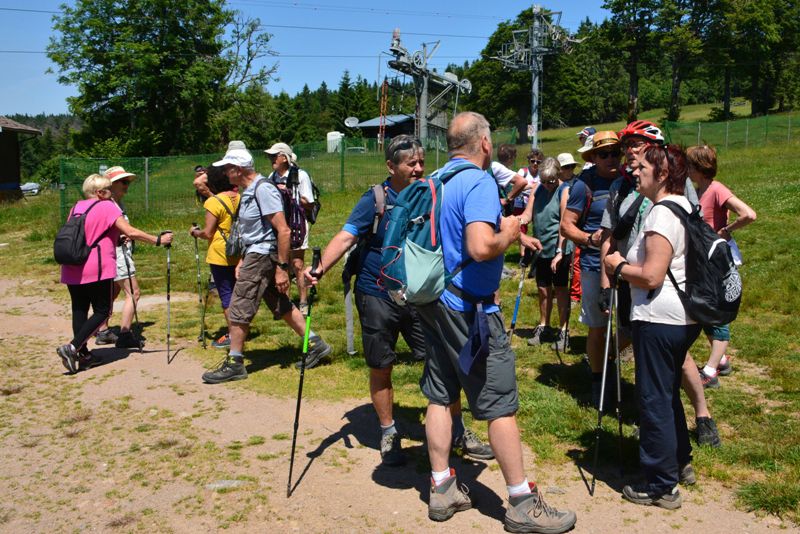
137 444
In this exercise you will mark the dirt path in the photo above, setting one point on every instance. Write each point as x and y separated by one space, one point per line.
137 444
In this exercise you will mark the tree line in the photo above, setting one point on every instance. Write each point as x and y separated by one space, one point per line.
161 77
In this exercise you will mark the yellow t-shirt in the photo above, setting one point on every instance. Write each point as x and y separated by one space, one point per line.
216 248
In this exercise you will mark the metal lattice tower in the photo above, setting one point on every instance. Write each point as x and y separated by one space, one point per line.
527 51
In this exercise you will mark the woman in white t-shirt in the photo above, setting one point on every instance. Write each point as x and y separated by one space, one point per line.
662 330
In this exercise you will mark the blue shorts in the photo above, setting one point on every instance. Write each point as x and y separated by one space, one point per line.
225 279
718 333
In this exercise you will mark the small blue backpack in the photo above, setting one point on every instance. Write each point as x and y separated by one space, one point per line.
412 260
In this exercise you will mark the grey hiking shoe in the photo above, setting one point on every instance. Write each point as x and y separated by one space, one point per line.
538 336
709 382
472 446
69 358
317 349
671 500
724 369
105 337
687 476
391 451
448 498
562 341
529 513
707 433
229 370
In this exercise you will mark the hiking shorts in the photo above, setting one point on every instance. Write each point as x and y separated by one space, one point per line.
381 322
718 333
491 385
591 315
122 268
257 281
545 277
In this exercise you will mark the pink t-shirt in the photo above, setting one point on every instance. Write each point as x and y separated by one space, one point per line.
713 202
100 219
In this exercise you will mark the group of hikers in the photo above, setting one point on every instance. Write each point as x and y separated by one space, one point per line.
612 226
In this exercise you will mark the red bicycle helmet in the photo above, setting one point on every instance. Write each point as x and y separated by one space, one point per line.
643 128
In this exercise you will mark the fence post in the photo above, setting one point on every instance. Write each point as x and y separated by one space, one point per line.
789 130
698 133
146 184
341 163
727 127
746 132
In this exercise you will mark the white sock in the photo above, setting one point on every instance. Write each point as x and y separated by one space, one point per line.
724 359
440 476
388 429
520 489
709 371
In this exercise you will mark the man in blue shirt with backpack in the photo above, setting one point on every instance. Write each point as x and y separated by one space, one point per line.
467 345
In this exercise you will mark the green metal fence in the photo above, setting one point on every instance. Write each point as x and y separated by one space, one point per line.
741 133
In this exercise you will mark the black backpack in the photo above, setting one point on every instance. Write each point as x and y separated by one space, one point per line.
356 255
713 285
70 246
294 212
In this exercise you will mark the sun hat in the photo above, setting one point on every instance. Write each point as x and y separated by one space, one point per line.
240 157
117 173
606 138
587 144
282 148
565 159
236 144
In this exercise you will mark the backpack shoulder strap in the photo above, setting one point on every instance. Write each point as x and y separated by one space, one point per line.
226 207
450 173
379 192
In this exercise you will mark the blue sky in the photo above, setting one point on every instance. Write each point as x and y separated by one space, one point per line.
307 53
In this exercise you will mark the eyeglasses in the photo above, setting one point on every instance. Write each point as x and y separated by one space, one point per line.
104 190
535 161
634 144
606 153
550 182
124 182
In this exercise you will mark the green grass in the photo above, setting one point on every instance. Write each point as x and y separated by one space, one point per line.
757 408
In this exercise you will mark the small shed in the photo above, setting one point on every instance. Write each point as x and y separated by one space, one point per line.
395 125
10 132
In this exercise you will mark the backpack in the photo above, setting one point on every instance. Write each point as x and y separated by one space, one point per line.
70 246
713 285
294 212
234 246
625 220
313 212
355 258
412 260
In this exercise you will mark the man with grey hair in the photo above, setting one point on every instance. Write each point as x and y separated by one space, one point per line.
382 320
263 270
467 345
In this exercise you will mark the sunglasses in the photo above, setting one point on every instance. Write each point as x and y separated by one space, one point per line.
550 182
608 153
535 161
124 182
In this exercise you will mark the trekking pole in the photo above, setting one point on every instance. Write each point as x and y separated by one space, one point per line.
524 262
133 298
169 265
614 306
602 393
315 261
202 336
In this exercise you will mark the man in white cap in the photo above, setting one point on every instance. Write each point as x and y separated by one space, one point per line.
263 271
284 171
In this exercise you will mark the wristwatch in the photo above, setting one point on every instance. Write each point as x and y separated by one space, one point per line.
284 265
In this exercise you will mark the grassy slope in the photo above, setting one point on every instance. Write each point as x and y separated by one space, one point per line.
756 408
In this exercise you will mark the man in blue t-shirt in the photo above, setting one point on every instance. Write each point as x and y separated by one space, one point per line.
381 318
467 345
581 224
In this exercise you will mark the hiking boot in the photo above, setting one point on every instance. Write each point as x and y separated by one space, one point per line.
687 476
88 359
670 500
448 498
724 369
562 341
529 513
391 450
222 343
317 349
127 340
707 433
472 446
105 337
538 336
303 307
69 358
229 370
709 382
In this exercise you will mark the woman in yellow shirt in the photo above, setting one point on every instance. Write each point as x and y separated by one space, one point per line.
220 209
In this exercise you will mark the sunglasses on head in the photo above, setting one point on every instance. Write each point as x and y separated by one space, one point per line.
606 153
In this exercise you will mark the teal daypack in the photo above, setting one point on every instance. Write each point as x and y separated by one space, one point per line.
412 260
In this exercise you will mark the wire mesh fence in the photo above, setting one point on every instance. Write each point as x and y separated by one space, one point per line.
742 133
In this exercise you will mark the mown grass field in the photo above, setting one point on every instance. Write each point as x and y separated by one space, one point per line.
756 409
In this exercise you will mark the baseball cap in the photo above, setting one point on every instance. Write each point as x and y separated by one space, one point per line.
240 157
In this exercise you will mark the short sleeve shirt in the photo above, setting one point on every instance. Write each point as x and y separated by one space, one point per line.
216 247
589 183
102 261
522 200
304 189
359 224
546 220
713 203
257 234
502 174
665 306
469 197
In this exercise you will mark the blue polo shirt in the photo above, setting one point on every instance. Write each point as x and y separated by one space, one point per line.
470 196
589 183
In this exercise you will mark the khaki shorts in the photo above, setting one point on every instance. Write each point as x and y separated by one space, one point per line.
257 281
122 268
